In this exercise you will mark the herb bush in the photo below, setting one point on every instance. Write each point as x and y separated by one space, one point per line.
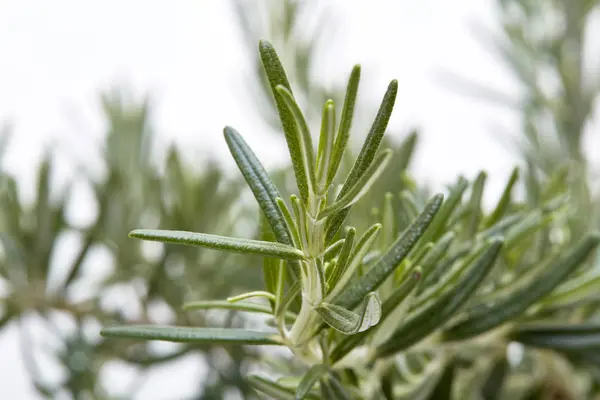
425 302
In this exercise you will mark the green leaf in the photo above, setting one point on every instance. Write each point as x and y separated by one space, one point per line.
242 306
424 320
258 293
309 380
504 202
326 142
395 308
346 269
391 259
280 288
366 155
575 290
408 205
237 245
290 223
436 253
561 337
343 133
475 205
405 151
303 137
192 335
260 183
400 294
270 265
438 225
414 259
266 195
525 229
519 300
288 298
276 76
388 218
360 187
450 276
227 305
559 181
349 322
301 222
333 250
340 266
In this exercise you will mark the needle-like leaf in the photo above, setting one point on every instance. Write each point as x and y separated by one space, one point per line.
426 319
563 337
227 305
519 300
348 266
193 335
340 266
360 187
326 142
276 76
303 137
237 245
343 134
503 203
438 225
391 259
366 155
260 183
258 293
395 308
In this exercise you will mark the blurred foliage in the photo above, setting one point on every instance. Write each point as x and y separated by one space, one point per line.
43 280
550 50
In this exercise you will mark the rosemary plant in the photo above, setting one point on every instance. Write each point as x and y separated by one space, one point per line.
394 312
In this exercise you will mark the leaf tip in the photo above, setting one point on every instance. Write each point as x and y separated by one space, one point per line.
229 131
107 332
136 234
264 44
437 199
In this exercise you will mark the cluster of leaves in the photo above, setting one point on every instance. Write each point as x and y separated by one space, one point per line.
433 290
49 259
305 34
